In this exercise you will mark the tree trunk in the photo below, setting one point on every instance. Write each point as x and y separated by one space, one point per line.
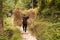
1 17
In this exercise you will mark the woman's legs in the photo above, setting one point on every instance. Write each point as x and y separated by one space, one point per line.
25 27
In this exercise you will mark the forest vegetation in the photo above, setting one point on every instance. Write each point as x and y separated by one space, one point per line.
46 24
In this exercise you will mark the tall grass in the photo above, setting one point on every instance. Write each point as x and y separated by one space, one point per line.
46 30
10 31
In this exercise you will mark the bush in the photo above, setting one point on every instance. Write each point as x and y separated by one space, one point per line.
47 31
10 31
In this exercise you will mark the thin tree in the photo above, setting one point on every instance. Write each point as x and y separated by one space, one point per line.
1 16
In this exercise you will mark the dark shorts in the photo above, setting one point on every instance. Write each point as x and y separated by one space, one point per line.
24 24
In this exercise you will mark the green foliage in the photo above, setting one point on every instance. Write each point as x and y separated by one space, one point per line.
25 4
11 31
48 7
16 37
46 11
8 5
3 37
47 31
10 34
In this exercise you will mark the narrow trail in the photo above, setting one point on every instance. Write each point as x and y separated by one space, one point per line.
26 35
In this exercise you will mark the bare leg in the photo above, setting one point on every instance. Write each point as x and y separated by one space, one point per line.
25 28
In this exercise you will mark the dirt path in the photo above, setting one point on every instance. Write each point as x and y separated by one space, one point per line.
26 35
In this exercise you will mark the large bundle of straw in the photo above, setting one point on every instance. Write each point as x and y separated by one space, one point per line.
32 16
18 16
